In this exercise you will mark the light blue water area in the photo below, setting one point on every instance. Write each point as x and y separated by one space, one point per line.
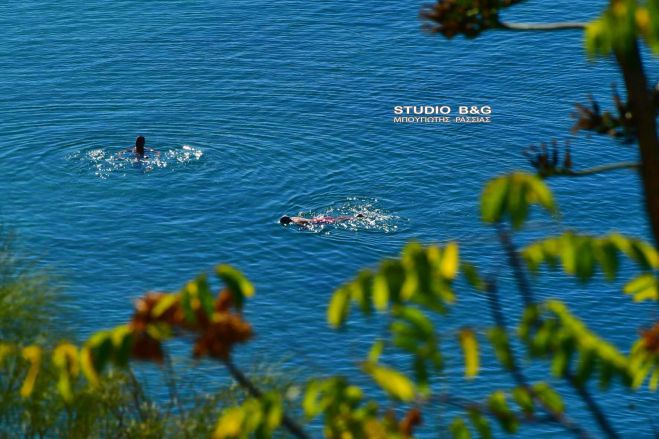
261 109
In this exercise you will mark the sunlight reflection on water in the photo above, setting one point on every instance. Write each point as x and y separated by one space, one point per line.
104 163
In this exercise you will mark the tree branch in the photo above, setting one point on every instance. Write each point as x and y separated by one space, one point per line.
513 259
541 26
251 388
595 409
596 169
642 106
527 297
516 372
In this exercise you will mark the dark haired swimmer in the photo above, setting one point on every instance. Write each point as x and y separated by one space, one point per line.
306 222
139 146
139 149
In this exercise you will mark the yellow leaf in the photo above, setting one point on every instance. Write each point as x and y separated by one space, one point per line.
338 307
393 382
643 20
33 355
450 261
643 287
235 277
230 424
469 345
65 358
164 304
380 292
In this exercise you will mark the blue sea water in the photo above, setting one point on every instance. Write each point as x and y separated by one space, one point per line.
261 109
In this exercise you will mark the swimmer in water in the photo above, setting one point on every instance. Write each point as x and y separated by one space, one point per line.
306 222
139 146
139 149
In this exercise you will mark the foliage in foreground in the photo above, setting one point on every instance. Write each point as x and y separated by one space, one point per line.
43 392
48 385
413 292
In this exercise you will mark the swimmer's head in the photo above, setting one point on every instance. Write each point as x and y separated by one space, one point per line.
360 215
285 220
139 145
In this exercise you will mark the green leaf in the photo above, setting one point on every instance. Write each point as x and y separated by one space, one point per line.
499 340
390 278
375 352
549 397
100 348
597 38
311 398
568 251
361 291
606 254
494 200
523 398
122 341
416 318
473 277
239 286
499 407
517 202
66 359
480 423
585 260
204 294
421 375
648 23
585 366
539 193
459 429
534 256
186 306
511 195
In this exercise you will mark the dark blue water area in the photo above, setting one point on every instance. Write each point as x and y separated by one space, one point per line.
261 109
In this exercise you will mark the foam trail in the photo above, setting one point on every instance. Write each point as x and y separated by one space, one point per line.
104 163
375 218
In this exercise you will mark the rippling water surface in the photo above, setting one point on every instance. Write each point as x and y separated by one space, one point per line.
260 109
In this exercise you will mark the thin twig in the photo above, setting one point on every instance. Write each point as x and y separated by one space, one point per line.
542 26
595 409
513 258
597 169
251 388
170 377
137 393
466 404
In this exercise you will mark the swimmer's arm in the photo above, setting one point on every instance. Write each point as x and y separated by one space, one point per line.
124 151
